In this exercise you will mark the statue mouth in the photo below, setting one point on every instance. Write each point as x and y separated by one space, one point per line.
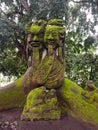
35 44
50 42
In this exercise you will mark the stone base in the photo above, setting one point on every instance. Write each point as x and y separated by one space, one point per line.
10 120
67 123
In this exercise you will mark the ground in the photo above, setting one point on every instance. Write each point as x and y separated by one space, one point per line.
10 120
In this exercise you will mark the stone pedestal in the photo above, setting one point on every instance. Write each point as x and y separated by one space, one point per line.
41 104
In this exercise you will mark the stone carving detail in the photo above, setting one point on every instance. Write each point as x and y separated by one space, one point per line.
46 49
41 104
35 40
55 39
46 43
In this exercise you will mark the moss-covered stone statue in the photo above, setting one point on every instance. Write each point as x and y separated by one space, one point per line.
42 91
47 55
49 72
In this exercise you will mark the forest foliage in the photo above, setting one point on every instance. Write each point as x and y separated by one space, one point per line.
81 20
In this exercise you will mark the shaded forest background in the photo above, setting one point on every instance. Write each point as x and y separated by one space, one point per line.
81 22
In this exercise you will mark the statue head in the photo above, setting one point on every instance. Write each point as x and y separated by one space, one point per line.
37 30
55 33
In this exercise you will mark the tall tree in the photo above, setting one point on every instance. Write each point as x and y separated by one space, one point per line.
15 14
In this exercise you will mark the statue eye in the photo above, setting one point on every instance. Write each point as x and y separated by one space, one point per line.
62 35
40 35
54 35
46 34
32 35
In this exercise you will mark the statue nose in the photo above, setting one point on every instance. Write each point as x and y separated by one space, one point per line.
50 37
35 38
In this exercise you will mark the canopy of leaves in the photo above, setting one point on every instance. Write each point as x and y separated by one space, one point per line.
81 38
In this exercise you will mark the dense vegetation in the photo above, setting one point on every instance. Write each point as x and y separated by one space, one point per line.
80 18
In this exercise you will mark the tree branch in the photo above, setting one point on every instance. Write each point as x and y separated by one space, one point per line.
85 1
25 5
21 49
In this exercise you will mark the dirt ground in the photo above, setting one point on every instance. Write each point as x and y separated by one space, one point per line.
10 120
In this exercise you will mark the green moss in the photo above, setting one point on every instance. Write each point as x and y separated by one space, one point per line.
44 66
19 82
35 29
42 71
77 106
12 95
57 22
41 104
52 32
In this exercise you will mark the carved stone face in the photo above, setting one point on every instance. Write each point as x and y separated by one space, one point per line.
53 35
37 35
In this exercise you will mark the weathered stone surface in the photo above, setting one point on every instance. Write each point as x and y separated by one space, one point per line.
45 52
82 109
41 104
12 96
90 86
47 55
11 118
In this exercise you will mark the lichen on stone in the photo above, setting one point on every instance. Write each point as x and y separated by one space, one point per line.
58 95
76 105
58 22
41 104
12 96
